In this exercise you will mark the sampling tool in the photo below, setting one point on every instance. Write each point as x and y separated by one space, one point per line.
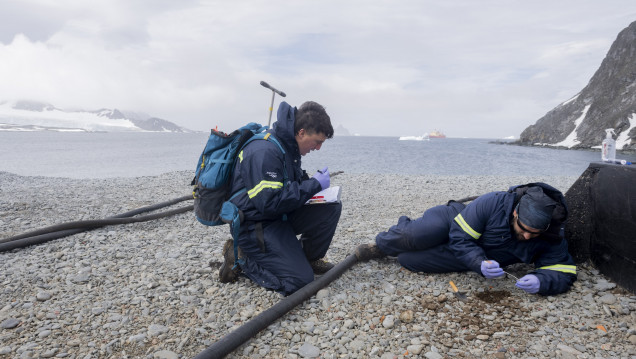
515 278
460 295
271 106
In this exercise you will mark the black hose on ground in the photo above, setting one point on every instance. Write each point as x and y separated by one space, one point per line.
233 340
66 229
96 223
91 223
467 199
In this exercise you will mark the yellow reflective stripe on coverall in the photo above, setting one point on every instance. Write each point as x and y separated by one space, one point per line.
561 268
262 185
462 223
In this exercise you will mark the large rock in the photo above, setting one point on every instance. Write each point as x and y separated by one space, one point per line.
601 223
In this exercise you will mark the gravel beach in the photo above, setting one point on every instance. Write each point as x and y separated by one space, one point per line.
145 290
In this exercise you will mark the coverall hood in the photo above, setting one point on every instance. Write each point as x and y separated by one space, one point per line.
283 128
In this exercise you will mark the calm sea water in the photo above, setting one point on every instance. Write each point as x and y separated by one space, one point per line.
102 155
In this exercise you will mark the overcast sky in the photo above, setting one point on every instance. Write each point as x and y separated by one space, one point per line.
486 68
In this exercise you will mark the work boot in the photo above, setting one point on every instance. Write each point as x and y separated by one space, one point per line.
226 273
320 266
364 252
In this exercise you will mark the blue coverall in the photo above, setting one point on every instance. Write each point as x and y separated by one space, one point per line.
274 211
456 238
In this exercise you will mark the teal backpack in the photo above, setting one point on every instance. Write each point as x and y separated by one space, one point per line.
212 180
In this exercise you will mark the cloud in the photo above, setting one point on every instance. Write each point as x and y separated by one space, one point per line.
478 69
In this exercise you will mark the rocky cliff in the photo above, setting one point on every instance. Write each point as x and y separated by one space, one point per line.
608 101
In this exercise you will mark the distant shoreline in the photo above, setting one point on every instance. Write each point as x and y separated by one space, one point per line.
590 149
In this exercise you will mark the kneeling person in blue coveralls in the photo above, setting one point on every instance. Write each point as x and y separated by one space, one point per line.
273 207
524 224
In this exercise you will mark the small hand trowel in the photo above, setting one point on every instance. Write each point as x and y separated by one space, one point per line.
460 295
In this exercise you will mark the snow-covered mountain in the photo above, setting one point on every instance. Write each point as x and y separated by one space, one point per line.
608 101
37 116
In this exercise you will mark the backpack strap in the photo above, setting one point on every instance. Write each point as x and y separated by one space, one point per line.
269 137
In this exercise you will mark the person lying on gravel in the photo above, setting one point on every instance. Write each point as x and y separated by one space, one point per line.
274 207
524 224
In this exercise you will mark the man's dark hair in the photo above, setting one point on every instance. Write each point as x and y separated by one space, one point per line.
314 119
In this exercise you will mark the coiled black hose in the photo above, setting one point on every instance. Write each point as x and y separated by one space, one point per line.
66 229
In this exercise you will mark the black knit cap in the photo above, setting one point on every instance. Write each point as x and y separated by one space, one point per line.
535 209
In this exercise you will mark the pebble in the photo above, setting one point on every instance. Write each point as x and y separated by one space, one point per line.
137 338
539 313
322 294
603 285
43 296
165 354
156 330
415 349
433 355
567 349
308 350
9 323
406 316
607 299
49 353
145 290
388 322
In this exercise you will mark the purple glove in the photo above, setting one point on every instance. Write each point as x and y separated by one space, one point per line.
529 283
323 177
491 269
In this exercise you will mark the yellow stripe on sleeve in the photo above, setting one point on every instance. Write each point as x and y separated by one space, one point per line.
261 186
462 223
561 268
